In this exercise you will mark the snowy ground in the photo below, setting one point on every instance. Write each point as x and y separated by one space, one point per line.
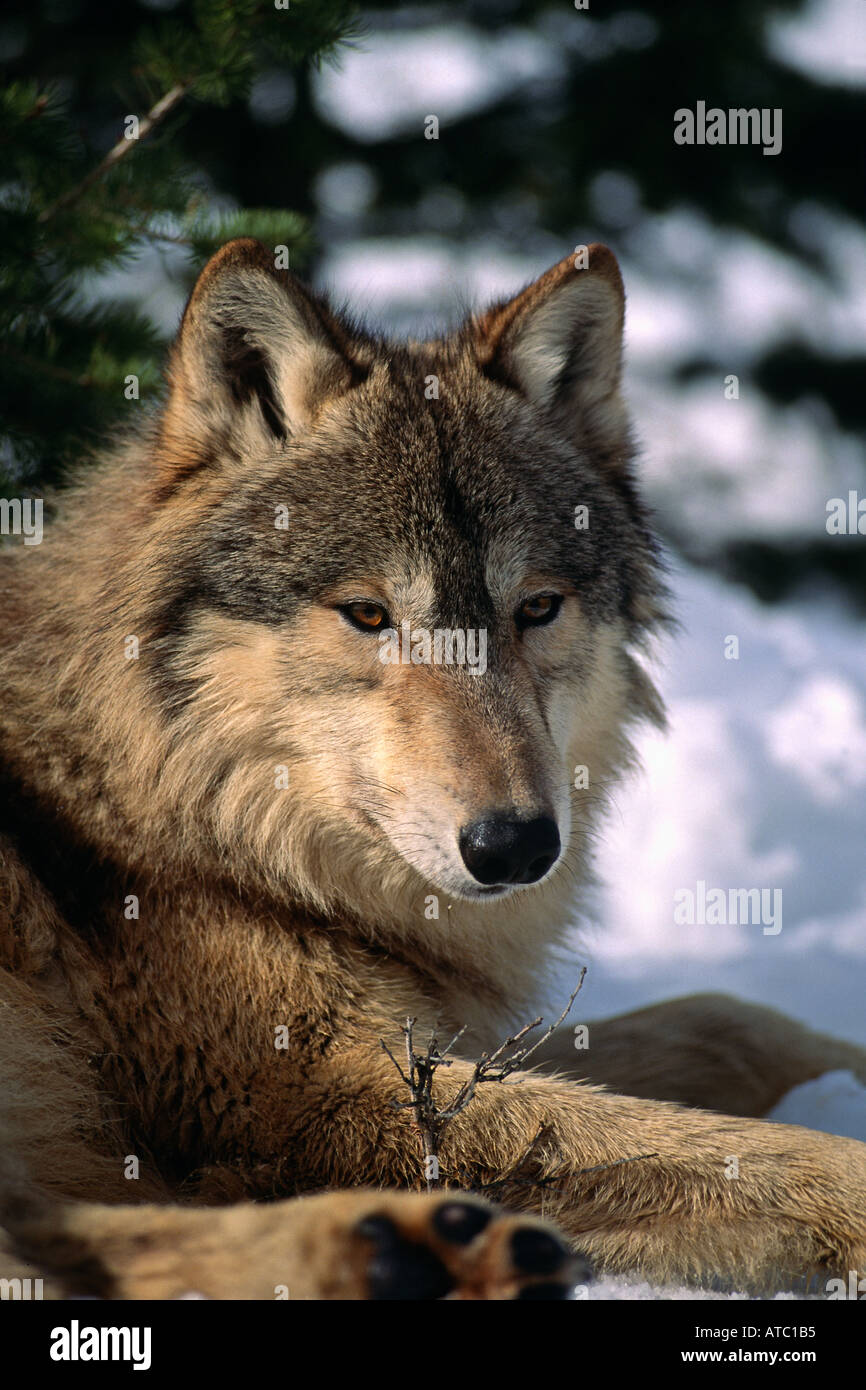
760 782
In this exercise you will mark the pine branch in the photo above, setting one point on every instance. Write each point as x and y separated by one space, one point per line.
155 115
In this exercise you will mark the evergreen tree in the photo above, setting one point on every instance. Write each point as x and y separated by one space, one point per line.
80 198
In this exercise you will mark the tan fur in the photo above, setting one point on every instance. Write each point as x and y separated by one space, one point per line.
305 907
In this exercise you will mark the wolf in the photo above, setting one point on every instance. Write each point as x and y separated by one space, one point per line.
240 849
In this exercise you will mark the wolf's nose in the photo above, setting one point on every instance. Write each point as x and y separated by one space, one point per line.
499 850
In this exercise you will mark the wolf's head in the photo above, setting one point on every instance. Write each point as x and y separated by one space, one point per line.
393 588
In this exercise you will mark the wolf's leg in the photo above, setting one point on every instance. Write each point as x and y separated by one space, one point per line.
749 1201
707 1050
338 1245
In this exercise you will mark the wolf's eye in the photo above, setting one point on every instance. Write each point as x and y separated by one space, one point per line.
538 610
366 617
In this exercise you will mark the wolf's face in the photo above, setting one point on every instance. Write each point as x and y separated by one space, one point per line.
402 604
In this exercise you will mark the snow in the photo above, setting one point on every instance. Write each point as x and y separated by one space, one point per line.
760 782
834 1103
445 70
823 41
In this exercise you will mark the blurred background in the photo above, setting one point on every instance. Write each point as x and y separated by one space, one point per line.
306 126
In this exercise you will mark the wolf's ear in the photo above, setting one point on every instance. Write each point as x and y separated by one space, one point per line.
559 342
256 357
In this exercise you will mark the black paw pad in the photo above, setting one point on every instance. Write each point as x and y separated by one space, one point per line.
380 1229
538 1292
460 1222
537 1252
399 1269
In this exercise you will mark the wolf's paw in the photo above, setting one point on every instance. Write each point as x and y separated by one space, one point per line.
459 1248
358 1244
400 1245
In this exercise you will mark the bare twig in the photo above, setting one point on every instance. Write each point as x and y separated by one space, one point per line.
495 1067
421 1068
157 113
